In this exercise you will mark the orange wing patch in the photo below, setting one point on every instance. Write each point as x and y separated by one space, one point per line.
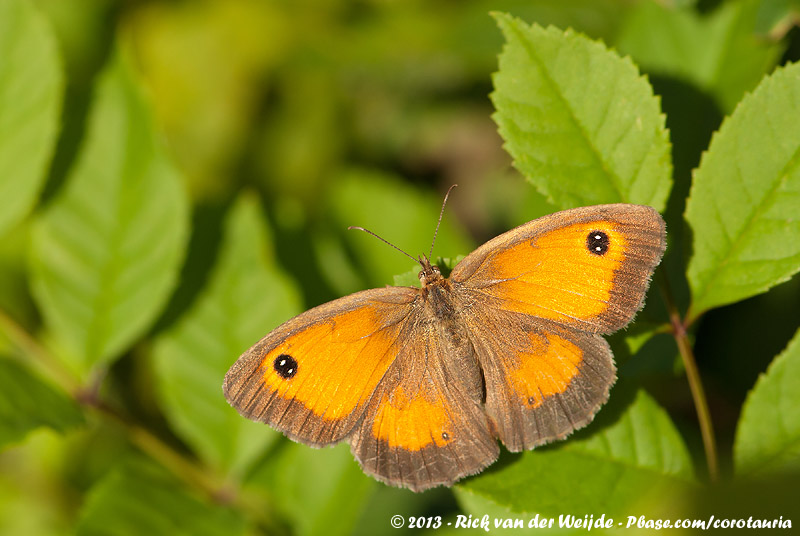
557 276
412 423
332 367
546 369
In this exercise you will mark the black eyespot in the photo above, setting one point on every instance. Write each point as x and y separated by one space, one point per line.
531 400
597 242
445 436
285 365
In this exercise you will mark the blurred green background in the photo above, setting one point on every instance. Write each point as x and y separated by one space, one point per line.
330 113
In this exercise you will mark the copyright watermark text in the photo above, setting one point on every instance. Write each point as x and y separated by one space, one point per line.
588 522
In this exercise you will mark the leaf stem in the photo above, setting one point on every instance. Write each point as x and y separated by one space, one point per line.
164 454
45 361
191 472
681 335
184 468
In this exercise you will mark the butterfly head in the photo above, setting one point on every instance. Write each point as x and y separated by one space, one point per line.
429 274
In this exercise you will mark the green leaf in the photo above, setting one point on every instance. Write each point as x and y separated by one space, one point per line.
718 53
31 89
15 298
26 403
246 297
321 491
745 199
107 251
140 498
638 454
581 123
768 435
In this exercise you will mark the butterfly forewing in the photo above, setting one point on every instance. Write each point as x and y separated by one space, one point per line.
312 377
587 268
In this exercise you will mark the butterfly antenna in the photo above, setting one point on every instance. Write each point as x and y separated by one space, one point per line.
352 227
441 213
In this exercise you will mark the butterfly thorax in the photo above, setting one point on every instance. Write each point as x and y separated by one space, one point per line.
436 292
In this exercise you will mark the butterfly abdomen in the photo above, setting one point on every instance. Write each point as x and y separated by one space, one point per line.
456 354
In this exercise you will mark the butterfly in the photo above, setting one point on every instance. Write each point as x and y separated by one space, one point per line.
423 382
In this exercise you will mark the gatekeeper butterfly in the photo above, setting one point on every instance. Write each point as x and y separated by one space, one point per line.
422 382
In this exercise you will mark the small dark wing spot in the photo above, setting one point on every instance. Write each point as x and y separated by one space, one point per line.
597 242
285 365
445 436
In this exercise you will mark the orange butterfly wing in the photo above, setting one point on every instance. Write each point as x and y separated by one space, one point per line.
426 425
587 268
369 369
312 377
543 382
541 294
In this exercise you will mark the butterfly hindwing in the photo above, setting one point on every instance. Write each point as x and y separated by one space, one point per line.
543 382
426 425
